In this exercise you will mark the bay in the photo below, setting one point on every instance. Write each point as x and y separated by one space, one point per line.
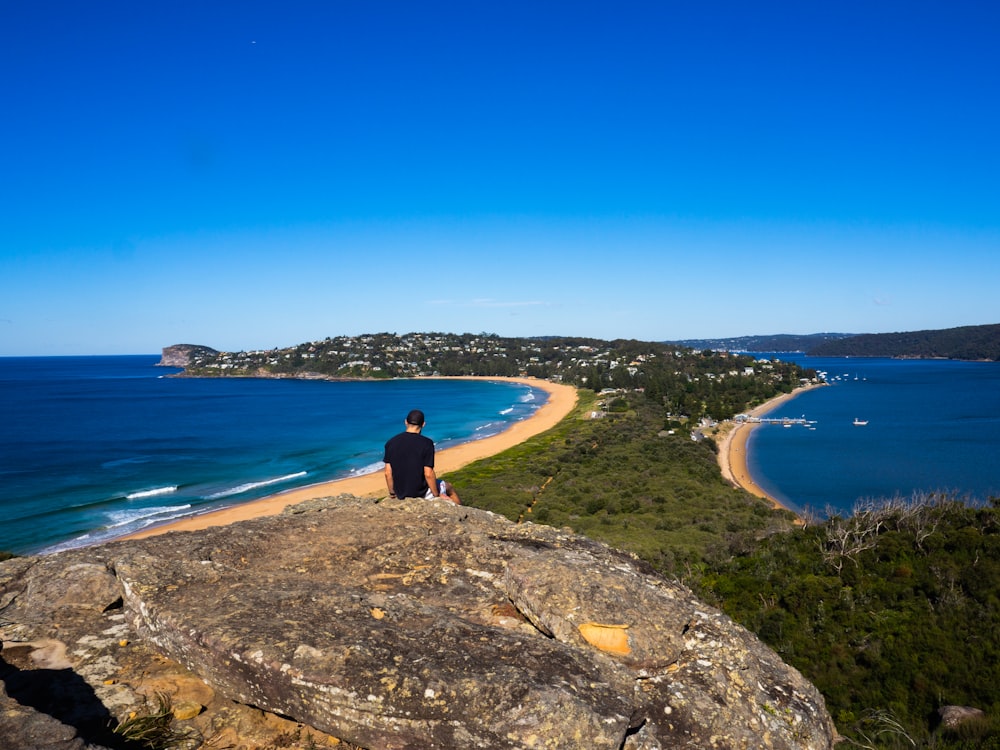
932 426
97 447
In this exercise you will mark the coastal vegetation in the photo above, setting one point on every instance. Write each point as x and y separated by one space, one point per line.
891 612
620 471
965 342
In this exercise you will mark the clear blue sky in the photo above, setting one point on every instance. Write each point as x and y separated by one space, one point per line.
249 175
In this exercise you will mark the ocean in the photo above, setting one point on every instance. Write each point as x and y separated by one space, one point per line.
932 426
93 448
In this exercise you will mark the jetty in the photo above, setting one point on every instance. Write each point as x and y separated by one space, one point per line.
747 418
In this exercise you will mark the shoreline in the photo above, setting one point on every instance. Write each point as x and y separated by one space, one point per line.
562 399
733 448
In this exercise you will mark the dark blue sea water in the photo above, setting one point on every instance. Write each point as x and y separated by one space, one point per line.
933 425
97 447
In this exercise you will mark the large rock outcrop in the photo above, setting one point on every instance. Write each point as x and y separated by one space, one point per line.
415 624
182 355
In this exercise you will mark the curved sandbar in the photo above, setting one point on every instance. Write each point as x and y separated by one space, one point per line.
733 448
562 399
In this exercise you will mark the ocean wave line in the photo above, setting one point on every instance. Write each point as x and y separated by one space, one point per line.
121 518
361 471
490 428
240 489
151 493
119 521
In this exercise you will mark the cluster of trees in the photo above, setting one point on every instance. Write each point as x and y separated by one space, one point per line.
891 612
965 342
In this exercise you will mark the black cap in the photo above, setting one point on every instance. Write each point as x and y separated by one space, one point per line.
416 418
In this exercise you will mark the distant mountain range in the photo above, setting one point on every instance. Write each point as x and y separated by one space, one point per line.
781 342
965 342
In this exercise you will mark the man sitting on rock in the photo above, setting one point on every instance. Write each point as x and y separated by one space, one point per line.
409 464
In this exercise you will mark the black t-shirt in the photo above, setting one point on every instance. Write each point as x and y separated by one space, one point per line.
408 453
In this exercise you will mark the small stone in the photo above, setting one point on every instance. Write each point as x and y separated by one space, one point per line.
184 710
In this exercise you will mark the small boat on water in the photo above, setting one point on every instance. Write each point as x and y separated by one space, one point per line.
860 422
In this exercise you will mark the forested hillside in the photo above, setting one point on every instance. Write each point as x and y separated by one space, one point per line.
892 613
966 342
779 342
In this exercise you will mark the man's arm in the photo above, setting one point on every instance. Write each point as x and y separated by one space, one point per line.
388 480
432 481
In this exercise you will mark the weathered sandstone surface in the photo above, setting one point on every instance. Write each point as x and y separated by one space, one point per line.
394 624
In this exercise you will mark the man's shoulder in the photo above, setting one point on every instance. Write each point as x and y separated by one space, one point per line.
409 437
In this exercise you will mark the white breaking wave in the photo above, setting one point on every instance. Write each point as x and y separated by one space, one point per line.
162 513
151 493
507 411
122 522
489 429
240 489
377 466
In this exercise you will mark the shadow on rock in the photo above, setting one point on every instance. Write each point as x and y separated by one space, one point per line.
65 697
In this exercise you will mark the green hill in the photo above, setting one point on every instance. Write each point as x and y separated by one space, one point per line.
965 342
779 342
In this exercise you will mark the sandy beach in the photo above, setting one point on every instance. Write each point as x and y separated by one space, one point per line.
733 448
562 399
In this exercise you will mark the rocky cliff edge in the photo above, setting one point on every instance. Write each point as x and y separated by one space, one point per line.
181 355
394 624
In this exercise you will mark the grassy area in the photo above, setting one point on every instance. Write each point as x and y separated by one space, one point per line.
621 478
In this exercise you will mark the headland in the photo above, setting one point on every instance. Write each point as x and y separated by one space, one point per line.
561 401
